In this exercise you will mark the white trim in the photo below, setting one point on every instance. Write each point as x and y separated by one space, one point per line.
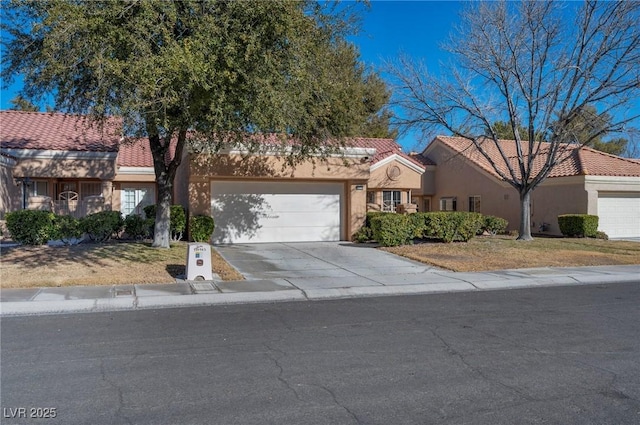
625 180
6 161
400 159
136 170
345 152
53 154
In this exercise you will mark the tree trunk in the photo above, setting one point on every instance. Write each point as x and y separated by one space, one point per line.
162 229
524 233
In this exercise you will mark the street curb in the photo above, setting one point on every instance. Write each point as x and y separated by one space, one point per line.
134 303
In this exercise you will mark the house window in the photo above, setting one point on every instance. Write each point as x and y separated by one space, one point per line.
448 204
135 199
39 188
474 204
391 199
371 197
90 189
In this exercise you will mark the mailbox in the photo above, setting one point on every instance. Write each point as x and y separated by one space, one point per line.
199 262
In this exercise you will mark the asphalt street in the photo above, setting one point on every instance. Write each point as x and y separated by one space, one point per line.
557 355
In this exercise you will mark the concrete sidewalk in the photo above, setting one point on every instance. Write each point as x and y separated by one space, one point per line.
182 294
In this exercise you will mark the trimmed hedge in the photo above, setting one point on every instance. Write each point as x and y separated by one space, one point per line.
447 226
137 227
392 229
578 225
30 227
494 225
201 228
177 220
101 226
67 228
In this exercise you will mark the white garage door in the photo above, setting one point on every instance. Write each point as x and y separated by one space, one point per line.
619 214
276 211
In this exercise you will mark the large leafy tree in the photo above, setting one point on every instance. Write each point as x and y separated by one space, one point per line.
215 71
524 64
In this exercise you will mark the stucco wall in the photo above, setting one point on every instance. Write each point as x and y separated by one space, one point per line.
457 177
383 177
556 196
10 194
103 169
202 169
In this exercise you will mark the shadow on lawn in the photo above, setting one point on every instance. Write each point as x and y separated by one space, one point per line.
88 254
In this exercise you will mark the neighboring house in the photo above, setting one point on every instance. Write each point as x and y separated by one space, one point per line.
49 161
587 182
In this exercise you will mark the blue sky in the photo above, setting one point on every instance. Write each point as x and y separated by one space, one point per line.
388 28
415 28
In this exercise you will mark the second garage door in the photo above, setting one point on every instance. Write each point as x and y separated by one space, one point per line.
276 211
619 214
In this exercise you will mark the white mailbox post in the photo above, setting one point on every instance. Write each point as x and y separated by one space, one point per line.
199 262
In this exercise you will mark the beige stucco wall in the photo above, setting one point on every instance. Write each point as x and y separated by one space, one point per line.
10 194
457 177
202 169
103 169
556 196
408 178
596 184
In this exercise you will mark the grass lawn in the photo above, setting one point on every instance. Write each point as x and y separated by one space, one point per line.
99 264
487 253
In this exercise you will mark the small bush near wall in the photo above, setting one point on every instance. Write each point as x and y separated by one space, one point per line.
448 226
137 227
578 225
494 225
31 227
177 221
103 225
201 228
67 229
392 229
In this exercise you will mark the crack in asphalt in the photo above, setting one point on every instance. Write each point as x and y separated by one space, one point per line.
119 413
452 351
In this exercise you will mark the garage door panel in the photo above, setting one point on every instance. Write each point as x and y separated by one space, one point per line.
619 214
276 212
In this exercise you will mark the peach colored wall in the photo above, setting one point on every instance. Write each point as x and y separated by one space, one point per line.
10 194
554 197
140 178
356 208
230 166
408 178
456 177
103 169
204 168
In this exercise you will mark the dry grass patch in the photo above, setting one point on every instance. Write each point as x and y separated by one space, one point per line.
99 264
497 253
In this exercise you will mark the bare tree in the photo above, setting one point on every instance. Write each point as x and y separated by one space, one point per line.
528 65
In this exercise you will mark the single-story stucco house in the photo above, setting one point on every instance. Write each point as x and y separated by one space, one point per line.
57 162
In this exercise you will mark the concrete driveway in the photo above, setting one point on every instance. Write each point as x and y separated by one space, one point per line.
323 264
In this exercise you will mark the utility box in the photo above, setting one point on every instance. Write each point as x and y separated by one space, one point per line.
199 262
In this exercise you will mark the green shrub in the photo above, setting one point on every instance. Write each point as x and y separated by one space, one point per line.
494 225
602 235
447 226
392 229
31 227
177 221
201 228
137 227
101 226
67 229
363 235
578 225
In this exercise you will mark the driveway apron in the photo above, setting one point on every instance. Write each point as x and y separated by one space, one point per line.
323 264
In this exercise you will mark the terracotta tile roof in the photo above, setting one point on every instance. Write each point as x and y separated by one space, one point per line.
577 160
135 153
385 148
55 131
